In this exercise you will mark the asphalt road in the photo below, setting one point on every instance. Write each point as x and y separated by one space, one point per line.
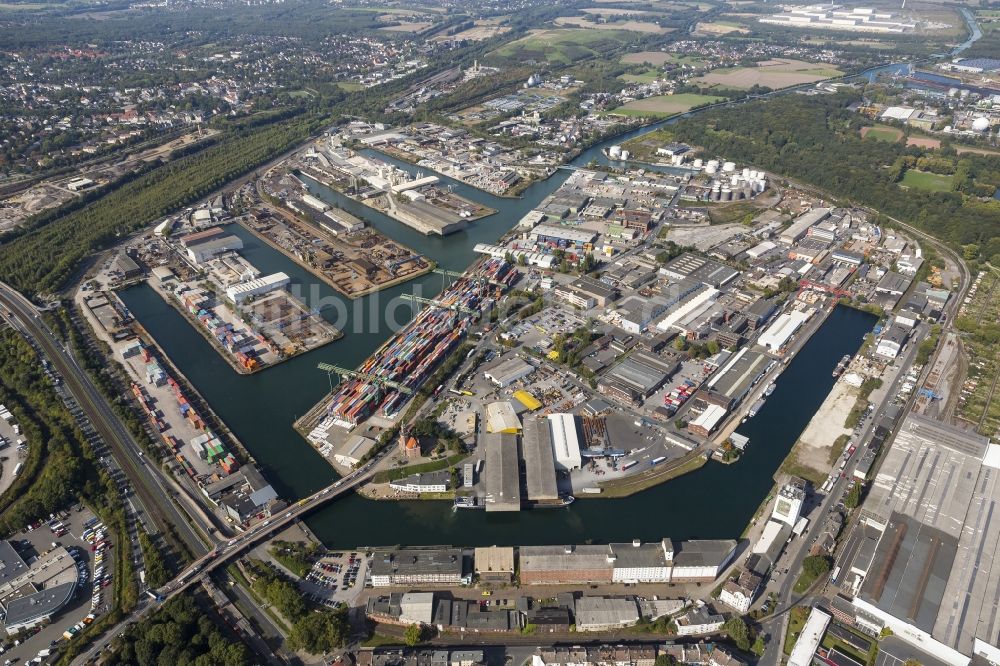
151 490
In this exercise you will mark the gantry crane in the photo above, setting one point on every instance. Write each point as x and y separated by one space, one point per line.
475 278
354 374
439 304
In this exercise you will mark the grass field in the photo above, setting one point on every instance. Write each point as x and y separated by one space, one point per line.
563 46
882 133
630 25
777 73
665 105
722 28
647 76
349 86
924 180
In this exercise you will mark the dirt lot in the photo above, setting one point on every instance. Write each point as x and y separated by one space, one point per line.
477 33
655 58
772 74
923 142
814 445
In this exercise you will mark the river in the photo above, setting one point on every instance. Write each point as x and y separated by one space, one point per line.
715 501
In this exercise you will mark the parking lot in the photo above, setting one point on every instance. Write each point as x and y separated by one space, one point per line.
336 578
81 533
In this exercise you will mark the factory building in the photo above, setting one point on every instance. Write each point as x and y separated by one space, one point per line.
202 251
800 227
508 371
539 461
258 287
501 418
707 421
503 479
932 509
414 566
495 564
416 608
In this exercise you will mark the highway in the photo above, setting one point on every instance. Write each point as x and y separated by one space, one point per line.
150 488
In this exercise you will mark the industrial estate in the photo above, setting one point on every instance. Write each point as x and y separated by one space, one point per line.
580 333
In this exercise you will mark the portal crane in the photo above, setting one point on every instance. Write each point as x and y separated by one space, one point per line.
439 304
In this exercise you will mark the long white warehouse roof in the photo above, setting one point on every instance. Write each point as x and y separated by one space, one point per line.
565 442
809 638
778 333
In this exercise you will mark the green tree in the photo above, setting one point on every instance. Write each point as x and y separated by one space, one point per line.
736 628
816 565
759 645
665 660
853 498
414 634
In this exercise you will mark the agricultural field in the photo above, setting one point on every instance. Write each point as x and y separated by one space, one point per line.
665 105
925 180
776 73
415 27
979 404
627 24
563 46
655 58
882 133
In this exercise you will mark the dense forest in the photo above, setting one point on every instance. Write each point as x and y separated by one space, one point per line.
179 633
817 140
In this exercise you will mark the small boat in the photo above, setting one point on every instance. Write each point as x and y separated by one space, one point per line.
844 362
564 500
769 390
467 503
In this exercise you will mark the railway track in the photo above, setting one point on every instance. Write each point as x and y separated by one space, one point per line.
151 491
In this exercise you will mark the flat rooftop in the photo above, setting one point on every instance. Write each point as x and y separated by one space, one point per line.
539 460
503 482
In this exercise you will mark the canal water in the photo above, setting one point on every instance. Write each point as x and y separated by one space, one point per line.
715 501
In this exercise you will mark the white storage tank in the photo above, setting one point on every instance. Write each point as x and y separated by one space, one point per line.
729 167
698 163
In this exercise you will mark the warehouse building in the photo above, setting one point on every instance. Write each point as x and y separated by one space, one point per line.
586 293
565 565
539 461
495 564
605 613
800 227
930 577
501 418
353 450
707 421
639 562
565 441
784 327
562 236
809 638
700 560
508 371
201 252
426 482
503 481
415 566
891 342
734 380
700 269
637 377
252 288
416 608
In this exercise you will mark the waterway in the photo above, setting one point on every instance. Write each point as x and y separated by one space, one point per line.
715 501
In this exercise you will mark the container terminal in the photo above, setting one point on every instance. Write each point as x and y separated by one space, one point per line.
405 361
